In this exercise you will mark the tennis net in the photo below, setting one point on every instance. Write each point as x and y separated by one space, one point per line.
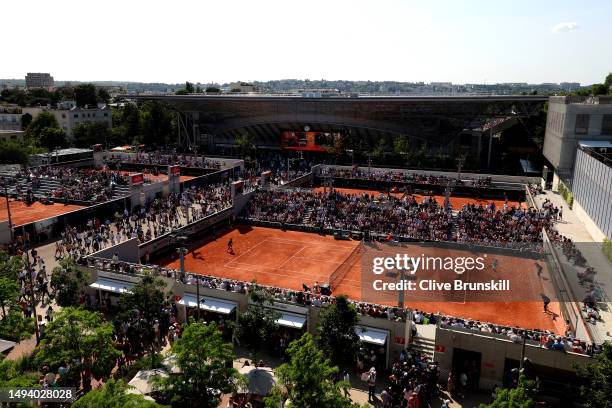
338 275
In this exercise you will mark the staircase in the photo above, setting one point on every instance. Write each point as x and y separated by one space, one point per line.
424 345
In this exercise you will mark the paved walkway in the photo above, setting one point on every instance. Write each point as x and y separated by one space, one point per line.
570 226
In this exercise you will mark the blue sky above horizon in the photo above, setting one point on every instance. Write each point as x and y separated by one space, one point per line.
220 41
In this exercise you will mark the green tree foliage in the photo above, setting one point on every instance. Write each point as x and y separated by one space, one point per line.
13 153
148 297
41 121
103 95
129 122
246 144
337 337
78 339
13 324
206 367
308 379
599 89
51 138
597 393
255 325
519 397
380 149
90 133
608 81
26 119
85 94
113 394
68 281
189 87
156 123
212 89
17 374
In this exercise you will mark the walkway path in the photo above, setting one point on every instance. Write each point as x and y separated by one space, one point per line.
570 226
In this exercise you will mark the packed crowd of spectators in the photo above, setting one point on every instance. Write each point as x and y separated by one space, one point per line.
312 296
158 158
402 217
76 183
146 223
404 177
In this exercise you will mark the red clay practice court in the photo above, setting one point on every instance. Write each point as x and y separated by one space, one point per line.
289 259
24 214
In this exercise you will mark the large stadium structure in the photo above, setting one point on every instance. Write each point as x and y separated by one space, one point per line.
438 121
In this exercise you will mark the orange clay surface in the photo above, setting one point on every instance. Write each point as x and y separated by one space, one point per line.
456 202
24 214
158 178
288 259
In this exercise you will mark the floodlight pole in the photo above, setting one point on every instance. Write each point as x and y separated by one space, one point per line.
8 209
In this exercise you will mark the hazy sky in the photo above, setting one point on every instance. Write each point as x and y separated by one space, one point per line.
472 41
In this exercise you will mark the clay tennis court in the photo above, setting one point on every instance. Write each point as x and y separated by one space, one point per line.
24 214
289 259
156 178
456 202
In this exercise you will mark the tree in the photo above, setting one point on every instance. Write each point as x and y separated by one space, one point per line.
597 393
156 123
26 119
309 379
130 122
13 153
608 81
17 374
113 394
90 133
255 325
146 296
41 121
212 89
68 280
245 143
519 397
206 367
85 94
10 266
337 336
189 87
51 138
13 324
599 89
103 95
380 149
78 339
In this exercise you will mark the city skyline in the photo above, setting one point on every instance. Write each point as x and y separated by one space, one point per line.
473 42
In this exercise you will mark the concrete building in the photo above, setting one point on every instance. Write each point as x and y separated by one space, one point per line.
39 80
10 118
11 136
68 119
592 187
571 119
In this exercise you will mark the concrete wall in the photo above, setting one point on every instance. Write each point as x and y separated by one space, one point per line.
241 200
494 352
592 189
5 233
127 251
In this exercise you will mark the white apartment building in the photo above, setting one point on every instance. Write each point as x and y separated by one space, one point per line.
68 119
9 120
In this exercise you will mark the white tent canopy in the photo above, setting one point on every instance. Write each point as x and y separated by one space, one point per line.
111 285
371 335
142 381
208 303
292 320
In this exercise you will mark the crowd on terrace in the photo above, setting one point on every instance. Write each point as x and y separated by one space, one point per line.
76 183
158 158
405 177
157 218
312 296
401 217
